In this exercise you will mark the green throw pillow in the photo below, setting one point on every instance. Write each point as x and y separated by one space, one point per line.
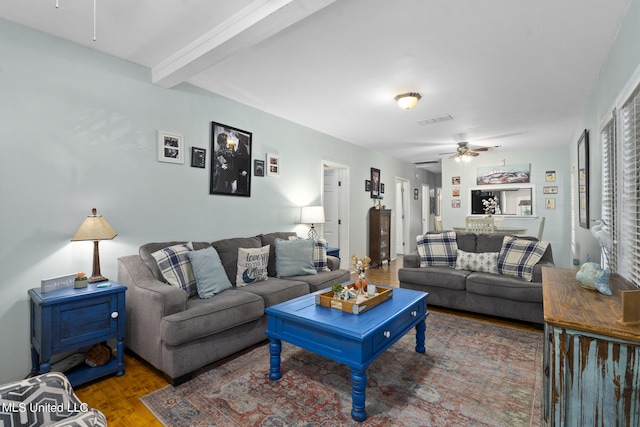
210 276
294 258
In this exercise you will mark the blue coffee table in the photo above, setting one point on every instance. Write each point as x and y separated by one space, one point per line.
353 339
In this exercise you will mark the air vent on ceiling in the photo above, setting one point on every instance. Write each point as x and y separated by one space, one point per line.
438 119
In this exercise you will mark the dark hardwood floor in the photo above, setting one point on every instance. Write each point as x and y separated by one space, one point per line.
118 397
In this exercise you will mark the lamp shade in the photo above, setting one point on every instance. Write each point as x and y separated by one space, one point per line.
312 215
95 228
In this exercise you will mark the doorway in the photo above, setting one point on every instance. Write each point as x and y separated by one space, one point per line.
426 208
335 191
402 215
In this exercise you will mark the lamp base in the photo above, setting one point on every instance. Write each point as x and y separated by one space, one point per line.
313 234
95 279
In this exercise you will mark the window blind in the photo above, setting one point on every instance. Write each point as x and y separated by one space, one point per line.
609 184
629 239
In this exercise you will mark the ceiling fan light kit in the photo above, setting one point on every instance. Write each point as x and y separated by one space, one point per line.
408 100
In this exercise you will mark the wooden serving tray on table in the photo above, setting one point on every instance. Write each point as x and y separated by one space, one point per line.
326 299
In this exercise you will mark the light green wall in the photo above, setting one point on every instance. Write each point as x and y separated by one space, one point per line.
557 222
617 71
78 130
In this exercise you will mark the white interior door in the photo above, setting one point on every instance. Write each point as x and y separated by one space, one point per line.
402 215
426 209
331 207
335 199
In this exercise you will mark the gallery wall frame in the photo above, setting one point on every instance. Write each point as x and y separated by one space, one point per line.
230 160
273 165
198 157
258 167
583 179
170 147
375 183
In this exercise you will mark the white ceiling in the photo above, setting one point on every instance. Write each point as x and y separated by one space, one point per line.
510 73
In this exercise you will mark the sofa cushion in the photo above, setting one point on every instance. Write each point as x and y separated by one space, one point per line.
228 251
210 276
483 261
270 239
519 256
146 250
274 291
506 287
252 265
493 242
467 242
175 267
204 317
294 257
438 250
442 277
324 279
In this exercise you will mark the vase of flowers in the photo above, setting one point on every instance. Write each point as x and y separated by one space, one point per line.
360 265
490 205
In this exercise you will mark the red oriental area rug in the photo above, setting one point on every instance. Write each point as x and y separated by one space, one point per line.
473 374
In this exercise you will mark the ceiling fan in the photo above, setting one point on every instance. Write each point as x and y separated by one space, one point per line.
466 150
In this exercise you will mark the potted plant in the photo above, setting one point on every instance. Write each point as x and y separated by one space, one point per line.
337 290
80 281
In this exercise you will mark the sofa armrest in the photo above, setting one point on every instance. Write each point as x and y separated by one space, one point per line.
333 263
411 260
148 302
537 270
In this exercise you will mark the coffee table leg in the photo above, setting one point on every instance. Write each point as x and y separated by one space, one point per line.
275 347
358 386
420 329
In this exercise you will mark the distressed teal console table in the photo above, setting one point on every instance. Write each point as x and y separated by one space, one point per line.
591 363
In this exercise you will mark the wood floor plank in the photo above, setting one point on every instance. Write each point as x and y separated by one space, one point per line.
118 397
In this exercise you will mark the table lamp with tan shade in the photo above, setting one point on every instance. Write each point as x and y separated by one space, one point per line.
95 228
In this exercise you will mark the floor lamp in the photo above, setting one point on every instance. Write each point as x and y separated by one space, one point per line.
95 228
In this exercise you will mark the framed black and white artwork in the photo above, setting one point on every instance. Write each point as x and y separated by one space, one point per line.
230 161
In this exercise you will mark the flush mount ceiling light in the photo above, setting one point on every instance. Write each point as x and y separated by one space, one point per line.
408 100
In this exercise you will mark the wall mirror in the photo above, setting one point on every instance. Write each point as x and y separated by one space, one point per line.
512 200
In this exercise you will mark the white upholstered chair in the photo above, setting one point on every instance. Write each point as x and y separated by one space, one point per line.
480 225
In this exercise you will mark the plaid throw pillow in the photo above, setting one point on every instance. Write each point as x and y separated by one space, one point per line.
517 257
320 255
175 267
438 250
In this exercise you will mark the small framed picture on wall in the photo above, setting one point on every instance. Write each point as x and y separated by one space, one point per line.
170 147
273 165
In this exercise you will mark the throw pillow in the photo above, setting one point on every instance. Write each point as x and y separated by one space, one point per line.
210 276
438 249
518 256
173 263
252 265
486 262
295 257
320 255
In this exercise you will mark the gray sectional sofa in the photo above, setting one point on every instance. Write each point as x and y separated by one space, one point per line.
178 333
475 291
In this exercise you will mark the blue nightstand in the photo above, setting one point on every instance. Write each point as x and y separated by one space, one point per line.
333 252
68 319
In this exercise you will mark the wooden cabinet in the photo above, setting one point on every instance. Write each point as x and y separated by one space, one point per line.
68 319
379 236
591 372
